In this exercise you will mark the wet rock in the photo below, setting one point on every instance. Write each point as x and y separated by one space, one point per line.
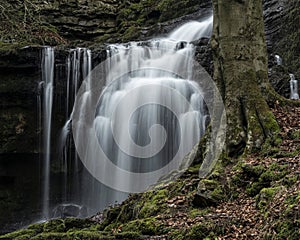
69 210
282 29
203 200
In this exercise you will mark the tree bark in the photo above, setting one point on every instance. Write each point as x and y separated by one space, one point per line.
241 73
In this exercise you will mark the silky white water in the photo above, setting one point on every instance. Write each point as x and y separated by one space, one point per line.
79 65
144 137
141 138
278 60
294 87
47 80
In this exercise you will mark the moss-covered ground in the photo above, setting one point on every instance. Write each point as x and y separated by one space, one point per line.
256 197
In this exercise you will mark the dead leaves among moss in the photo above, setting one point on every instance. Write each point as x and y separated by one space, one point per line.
240 217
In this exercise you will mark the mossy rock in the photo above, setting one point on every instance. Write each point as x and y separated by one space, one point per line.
20 234
265 196
37 227
255 178
152 202
176 235
55 225
88 235
201 231
128 236
295 134
51 236
77 223
209 192
148 226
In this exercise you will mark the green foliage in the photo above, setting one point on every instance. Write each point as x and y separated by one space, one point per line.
24 26
154 203
147 226
55 225
255 178
265 196
212 188
19 234
128 236
202 231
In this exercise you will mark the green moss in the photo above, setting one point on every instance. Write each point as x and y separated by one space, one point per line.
77 223
287 229
254 188
88 235
274 173
50 236
128 236
217 194
131 32
196 212
194 169
19 234
55 225
23 24
265 196
153 202
245 174
176 234
148 226
24 237
38 227
295 134
202 231
255 178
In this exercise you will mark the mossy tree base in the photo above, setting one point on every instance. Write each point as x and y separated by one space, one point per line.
238 45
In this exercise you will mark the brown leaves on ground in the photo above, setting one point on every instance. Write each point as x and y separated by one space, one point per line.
239 217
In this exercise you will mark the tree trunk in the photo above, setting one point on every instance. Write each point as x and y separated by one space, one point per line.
241 72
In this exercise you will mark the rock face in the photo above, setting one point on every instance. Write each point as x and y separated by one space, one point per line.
283 36
75 21
83 19
19 74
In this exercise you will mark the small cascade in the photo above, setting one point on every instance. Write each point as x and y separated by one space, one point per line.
192 31
294 87
278 60
79 65
47 81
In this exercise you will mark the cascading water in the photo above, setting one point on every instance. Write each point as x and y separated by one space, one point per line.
192 31
143 64
294 87
79 65
47 80
278 60
82 195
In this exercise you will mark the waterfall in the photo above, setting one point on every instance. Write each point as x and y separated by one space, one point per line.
151 67
47 79
294 87
194 30
131 133
278 60
78 67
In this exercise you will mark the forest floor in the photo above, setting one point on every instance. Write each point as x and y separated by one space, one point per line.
256 197
262 194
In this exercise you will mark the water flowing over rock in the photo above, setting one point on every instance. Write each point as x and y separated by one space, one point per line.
132 66
47 81
294 87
